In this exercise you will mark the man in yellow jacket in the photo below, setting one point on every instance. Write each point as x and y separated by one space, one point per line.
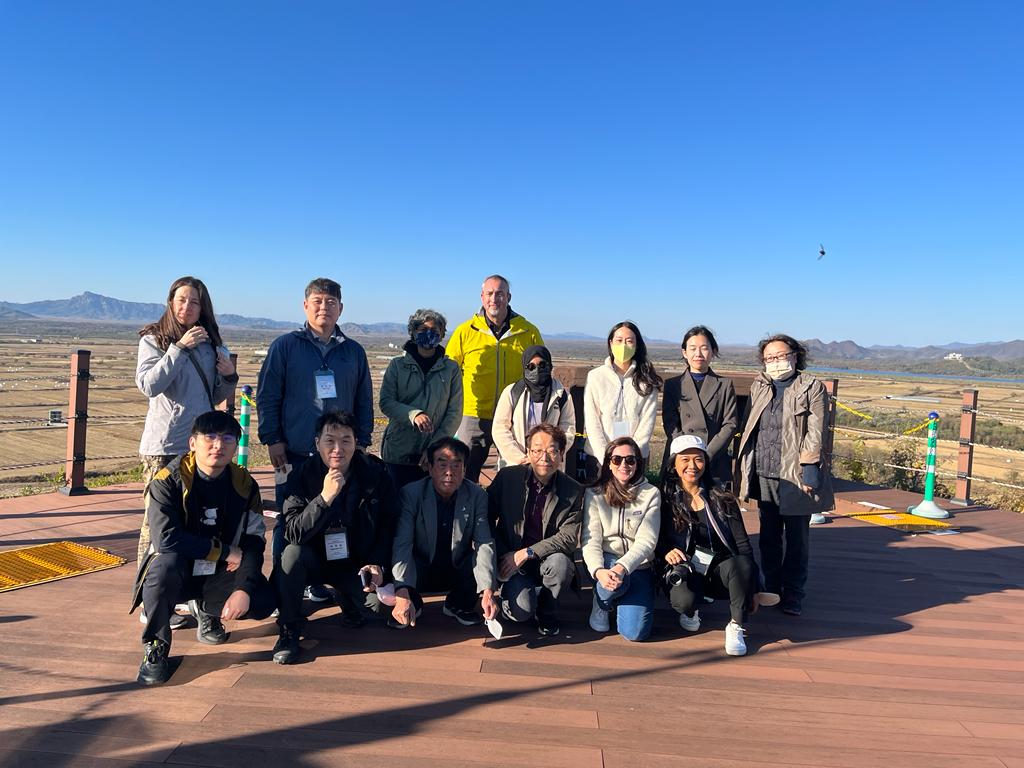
489 349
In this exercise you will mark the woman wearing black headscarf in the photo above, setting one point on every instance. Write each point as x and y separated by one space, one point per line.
535 398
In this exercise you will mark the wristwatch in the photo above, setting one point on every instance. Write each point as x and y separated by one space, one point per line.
529 553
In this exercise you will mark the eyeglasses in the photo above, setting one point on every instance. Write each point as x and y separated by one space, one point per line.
630 460
541 366
778 358
454 466
329 303
551 453
225 438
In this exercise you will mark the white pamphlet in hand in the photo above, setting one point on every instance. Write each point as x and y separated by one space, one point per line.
494 627
281 474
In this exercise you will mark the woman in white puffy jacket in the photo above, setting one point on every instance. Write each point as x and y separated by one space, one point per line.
621 523
621 395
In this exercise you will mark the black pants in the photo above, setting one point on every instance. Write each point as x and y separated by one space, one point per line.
403 474
784 542
302 564
734 577
553 575
169 580
458 584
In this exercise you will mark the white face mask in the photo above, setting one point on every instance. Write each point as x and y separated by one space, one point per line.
780 369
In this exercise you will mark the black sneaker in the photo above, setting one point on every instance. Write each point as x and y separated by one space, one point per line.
548 626
466 617
287 650
317 593
178 621
155 668
351 614
790 606
211 629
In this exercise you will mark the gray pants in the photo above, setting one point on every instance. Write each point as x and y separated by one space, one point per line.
150 466
476 433
519 597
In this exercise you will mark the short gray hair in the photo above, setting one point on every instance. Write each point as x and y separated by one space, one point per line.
421 316
508 285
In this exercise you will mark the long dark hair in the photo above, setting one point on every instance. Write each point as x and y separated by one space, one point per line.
701 330
678 500
645 378
614 492
168 330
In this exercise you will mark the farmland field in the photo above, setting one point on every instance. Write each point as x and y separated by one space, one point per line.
35 367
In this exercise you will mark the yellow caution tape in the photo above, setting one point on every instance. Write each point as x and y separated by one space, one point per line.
248 400
919 427
855 413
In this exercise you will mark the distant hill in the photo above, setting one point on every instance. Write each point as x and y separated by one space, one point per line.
93 306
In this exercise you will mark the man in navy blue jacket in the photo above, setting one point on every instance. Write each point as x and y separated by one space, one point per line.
307 372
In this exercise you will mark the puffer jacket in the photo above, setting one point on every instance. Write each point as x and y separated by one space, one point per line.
609 397
176 393
804 429
405 393
489 364
630 533
509 428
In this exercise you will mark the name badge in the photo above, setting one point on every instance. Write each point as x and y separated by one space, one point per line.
336 544
621 429
204 568
701 560
325 388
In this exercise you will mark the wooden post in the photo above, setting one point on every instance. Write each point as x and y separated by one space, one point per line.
78 417
965 455
829 438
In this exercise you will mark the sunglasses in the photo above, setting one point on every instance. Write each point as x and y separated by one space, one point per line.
542 366
629 460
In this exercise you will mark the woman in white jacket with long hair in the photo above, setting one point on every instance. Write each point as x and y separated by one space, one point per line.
621 396
621 523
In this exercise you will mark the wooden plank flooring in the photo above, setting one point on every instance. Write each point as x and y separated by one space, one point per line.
910 653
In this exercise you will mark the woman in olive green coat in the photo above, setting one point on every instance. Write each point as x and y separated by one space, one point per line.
421 395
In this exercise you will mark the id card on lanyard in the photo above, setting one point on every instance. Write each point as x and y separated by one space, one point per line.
336 543
204 567
326 389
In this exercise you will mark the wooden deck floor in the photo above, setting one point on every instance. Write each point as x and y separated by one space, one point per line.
910 653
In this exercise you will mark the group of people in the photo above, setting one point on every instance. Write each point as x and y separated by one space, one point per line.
382 532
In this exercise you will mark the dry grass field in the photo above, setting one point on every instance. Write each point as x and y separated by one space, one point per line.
35 367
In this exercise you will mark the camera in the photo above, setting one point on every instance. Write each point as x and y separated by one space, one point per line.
677 574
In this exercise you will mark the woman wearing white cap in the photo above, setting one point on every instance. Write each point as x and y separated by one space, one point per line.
704 544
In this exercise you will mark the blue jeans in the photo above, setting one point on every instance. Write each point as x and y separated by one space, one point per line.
633 601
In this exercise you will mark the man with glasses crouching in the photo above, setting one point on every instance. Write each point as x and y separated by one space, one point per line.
206 518
535 510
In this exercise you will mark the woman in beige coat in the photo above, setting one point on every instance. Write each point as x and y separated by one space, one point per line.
536 398
782 465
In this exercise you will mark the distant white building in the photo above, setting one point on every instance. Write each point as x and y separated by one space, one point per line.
953 356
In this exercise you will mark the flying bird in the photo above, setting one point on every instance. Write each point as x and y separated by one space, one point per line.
821 251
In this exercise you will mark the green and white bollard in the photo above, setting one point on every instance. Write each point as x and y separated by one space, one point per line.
928 507
243 420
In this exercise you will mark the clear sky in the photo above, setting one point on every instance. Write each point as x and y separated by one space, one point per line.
669 162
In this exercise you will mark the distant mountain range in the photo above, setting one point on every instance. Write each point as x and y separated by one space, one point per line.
95 307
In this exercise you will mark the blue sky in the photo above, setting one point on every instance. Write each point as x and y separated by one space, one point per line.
670 162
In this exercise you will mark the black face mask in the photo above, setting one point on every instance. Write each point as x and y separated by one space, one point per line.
538 381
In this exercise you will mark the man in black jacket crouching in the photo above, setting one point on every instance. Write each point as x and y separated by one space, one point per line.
339 523
206 518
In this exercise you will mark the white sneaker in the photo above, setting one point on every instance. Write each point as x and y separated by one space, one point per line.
599 619
690 623
735 645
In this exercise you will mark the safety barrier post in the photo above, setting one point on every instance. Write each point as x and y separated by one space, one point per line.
965 455
243 420
78 418
928 507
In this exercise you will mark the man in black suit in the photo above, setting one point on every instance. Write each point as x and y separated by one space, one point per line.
535 510
444 542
